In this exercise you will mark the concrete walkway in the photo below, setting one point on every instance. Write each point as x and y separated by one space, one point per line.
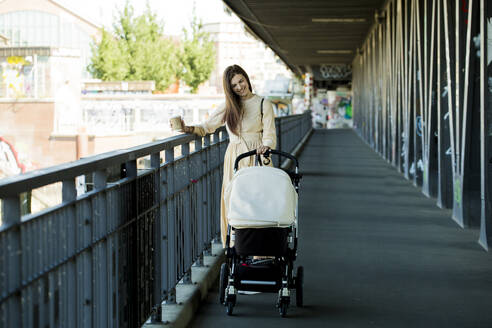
376 252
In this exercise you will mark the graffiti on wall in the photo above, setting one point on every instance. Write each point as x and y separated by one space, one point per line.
13 71
9 160
117 116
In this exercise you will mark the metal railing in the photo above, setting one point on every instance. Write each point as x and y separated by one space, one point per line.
290 130
110 256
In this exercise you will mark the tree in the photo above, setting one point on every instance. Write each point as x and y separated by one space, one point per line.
198 55
137 51
108 62
155 57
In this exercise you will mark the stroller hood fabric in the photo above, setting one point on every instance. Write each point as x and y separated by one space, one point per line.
260 196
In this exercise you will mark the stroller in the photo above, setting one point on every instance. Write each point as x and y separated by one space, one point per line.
262 213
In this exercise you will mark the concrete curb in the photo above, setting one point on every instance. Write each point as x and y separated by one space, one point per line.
189 296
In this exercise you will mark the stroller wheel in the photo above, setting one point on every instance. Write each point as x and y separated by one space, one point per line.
230 307
224 274
299 286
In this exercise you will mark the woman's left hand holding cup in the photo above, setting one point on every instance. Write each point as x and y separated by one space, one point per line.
177 124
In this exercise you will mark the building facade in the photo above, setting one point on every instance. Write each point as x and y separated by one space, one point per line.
234 45
46 23
44 51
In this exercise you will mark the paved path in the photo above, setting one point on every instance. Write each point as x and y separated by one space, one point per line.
376 252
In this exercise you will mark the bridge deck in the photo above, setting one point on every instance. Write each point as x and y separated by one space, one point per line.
376 252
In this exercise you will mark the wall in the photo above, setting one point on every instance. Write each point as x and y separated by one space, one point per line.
421 101
117 122
28 125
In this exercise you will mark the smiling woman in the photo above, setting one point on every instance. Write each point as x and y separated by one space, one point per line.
240 86
250 123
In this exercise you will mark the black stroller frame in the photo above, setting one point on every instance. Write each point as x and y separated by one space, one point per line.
277 249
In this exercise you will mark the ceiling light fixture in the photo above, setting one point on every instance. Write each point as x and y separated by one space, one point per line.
338 20
334 52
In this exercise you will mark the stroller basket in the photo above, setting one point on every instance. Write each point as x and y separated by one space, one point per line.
261 242
264 276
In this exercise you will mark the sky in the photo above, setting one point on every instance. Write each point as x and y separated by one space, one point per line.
176 14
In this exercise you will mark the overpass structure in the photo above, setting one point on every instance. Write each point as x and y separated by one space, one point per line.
421 77
420 74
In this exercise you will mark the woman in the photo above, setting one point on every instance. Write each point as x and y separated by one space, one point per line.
247 126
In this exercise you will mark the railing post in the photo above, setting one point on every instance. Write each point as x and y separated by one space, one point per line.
216 185
69 194
131 169
12 271
99 178
155 163
187 242
207 188
199 201
99 257
169 230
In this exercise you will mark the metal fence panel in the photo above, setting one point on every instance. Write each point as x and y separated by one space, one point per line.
110 256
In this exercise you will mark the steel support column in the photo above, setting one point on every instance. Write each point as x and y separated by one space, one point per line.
428 57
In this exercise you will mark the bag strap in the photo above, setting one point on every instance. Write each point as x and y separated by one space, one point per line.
258 160
262 99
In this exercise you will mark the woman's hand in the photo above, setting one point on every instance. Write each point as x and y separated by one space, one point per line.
262 150
186 129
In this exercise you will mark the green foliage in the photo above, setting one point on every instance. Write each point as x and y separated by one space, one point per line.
108 62
139 51
198 56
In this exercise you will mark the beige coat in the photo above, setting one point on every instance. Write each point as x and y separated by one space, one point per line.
251 137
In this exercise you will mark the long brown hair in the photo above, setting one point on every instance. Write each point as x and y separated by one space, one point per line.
233 106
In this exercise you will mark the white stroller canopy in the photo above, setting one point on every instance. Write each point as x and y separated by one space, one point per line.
259 197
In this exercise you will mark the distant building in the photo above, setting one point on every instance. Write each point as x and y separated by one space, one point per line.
4 41
44 45
46 23
234 45
44 52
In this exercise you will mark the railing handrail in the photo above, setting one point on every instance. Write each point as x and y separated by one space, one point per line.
17 184
14 185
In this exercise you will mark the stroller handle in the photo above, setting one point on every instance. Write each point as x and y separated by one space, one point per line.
267 153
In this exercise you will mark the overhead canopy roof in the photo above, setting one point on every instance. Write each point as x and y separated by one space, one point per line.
311 33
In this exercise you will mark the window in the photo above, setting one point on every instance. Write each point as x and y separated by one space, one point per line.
24 77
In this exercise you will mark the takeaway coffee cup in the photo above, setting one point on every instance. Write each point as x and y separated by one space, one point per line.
176 123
